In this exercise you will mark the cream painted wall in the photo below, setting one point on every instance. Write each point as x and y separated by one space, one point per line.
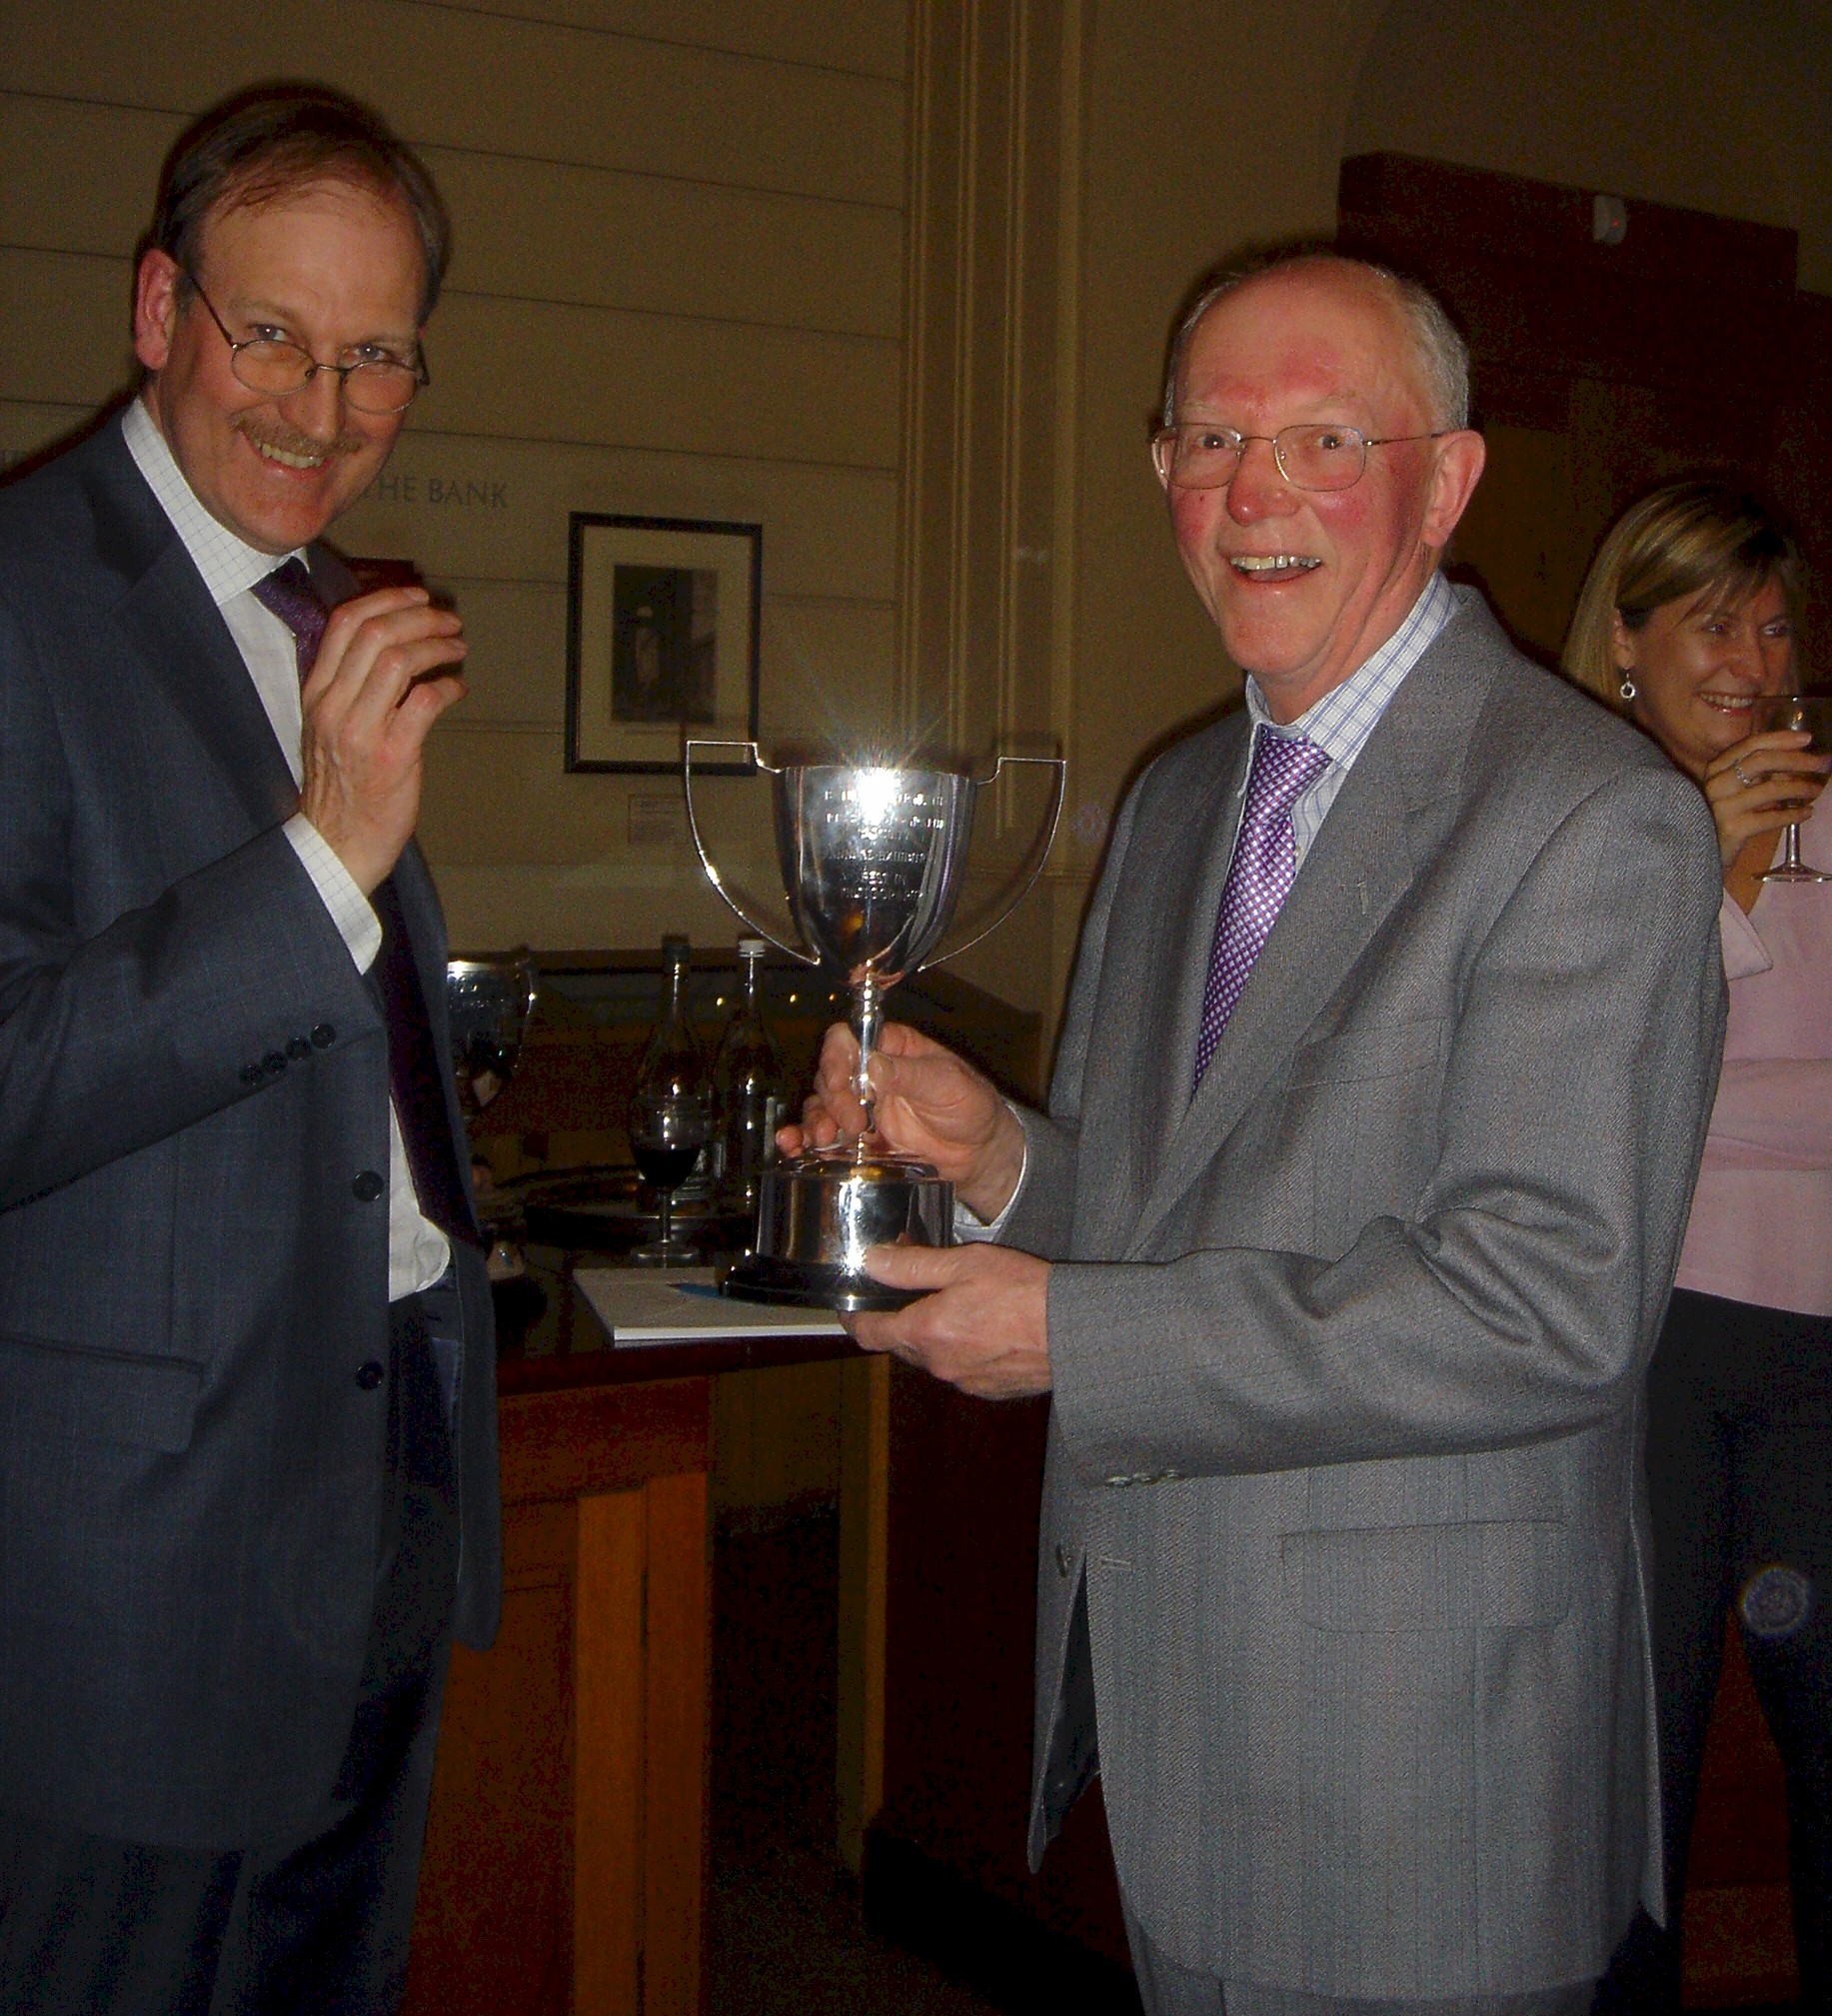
677 291
1191 153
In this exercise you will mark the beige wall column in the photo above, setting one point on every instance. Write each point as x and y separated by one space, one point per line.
988 411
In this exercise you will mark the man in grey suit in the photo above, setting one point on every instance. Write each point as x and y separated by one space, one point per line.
1343 1242
247 1377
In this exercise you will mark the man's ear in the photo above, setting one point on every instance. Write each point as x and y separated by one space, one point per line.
1455 473
155 307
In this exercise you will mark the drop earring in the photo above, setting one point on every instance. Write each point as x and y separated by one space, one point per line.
1628 689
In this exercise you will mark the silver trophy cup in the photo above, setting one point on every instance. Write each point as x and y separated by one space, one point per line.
872 860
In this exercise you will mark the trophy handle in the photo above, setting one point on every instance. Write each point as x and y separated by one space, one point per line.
1039 854
712 873
529 973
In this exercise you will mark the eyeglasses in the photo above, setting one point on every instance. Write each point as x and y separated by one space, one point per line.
1315 456
374 381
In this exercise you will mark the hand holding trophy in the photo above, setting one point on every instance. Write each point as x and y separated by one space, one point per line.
873 859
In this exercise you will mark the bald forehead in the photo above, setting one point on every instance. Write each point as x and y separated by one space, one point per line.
258 188
1326 309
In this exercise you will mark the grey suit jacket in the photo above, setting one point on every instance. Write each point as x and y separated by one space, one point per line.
1348 1348
193 1250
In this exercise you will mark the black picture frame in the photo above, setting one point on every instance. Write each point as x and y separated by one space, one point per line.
663 617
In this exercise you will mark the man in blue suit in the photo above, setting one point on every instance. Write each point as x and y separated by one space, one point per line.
247 1383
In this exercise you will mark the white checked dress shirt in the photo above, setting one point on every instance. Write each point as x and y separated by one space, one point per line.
418 1251
1341 721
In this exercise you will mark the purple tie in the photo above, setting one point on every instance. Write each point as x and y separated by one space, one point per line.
289 593
1259 876
414 1079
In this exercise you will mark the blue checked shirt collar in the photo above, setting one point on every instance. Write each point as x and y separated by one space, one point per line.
1341 721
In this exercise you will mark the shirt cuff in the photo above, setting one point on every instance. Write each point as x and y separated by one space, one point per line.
360 928
1744 952
971 1229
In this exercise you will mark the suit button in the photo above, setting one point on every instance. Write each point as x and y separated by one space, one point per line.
297 1048
367 1187
1062 1561
323 1037
272 1063
369 1376
251 1074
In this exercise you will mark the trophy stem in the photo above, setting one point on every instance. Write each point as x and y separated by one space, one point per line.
868 1007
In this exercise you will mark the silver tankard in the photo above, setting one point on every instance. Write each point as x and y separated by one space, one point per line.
873 859
489 1004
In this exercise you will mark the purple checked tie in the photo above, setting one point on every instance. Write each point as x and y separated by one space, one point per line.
289 593
414 1080
1258 877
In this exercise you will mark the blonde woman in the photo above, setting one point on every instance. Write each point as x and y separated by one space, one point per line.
1687 618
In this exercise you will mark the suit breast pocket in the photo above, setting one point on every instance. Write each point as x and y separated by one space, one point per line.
1361 1110
1490 1574
1362 1054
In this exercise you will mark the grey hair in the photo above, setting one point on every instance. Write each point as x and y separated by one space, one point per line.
1441 353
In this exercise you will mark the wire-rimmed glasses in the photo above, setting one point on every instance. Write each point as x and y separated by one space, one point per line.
1313 455
376 383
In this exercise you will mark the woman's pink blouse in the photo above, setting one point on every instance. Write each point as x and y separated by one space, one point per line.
1761 1224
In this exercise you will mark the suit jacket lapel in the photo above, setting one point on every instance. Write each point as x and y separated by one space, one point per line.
176 634
1170 972
1208 879
1384 824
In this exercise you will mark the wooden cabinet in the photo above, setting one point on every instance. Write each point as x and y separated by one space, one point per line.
565 1872
564 1866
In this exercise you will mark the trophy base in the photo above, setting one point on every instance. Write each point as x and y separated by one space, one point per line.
818 1216
810 1284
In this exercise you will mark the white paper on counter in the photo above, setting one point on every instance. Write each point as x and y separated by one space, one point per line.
641 1306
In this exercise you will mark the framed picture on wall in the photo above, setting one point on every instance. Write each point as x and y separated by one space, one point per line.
662 636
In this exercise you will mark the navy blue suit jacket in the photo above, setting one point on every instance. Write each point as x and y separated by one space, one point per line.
193 1268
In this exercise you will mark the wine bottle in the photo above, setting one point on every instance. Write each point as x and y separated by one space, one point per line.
748 1085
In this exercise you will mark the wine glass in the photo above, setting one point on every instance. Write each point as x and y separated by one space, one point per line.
1812 711
670 1120
670 1110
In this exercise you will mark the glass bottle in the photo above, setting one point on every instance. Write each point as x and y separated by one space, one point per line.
748 1085
670 1110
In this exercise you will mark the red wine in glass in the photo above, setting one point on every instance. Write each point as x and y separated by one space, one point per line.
663 1167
